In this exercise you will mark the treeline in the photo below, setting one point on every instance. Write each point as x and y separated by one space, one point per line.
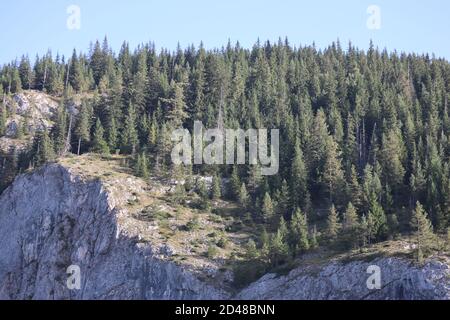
364 135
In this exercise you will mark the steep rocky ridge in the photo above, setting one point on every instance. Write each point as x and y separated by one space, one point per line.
51 219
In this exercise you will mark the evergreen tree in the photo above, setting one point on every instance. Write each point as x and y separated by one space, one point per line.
350 218
2 120
333 176
299 232
60 131
267 209
313 241
244 198
176 114
141 168
129 133
82 126
423 232
26 73
283 200
42 150
378 226
216 187
99 144
251 253
279 250
333 225
264 241
354 188
298 178
235 184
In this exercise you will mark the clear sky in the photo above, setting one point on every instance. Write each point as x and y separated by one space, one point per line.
34 26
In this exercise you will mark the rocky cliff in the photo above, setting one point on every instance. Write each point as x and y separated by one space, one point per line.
50 220
398 280
54 218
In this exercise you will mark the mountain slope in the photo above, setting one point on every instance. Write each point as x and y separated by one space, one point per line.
63 215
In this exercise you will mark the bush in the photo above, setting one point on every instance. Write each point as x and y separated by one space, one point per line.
212 252
223 242
194 224
248 272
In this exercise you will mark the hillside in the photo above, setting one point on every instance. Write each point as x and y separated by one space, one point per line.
359 142
130 242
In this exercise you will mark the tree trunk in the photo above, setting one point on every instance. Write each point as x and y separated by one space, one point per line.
79 146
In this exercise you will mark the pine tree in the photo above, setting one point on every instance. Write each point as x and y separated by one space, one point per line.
141 168
350 218
99 144
2 120
129 133
251 253
448 240
203 193
60 131
235 184
378 226
363 235
423 232
26 73
267 209
283 228
299 232
283 200
179 194
298 178
333 226
216 188
42 150
391 154
97 62
264 241
140 82
76 76
176 114
313 241
9 168
113 134
333 176
15 82
279 250
82 126
244 197
354 188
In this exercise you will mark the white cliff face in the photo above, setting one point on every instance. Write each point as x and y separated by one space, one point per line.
52 219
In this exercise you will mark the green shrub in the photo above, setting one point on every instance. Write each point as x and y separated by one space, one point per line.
212 251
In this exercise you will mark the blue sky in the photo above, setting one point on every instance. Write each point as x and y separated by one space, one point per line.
34 26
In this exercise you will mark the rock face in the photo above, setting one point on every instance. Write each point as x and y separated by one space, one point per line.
36 108
399 280
52 219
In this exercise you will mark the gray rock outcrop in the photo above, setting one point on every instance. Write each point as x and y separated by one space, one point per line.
398 280
50 220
